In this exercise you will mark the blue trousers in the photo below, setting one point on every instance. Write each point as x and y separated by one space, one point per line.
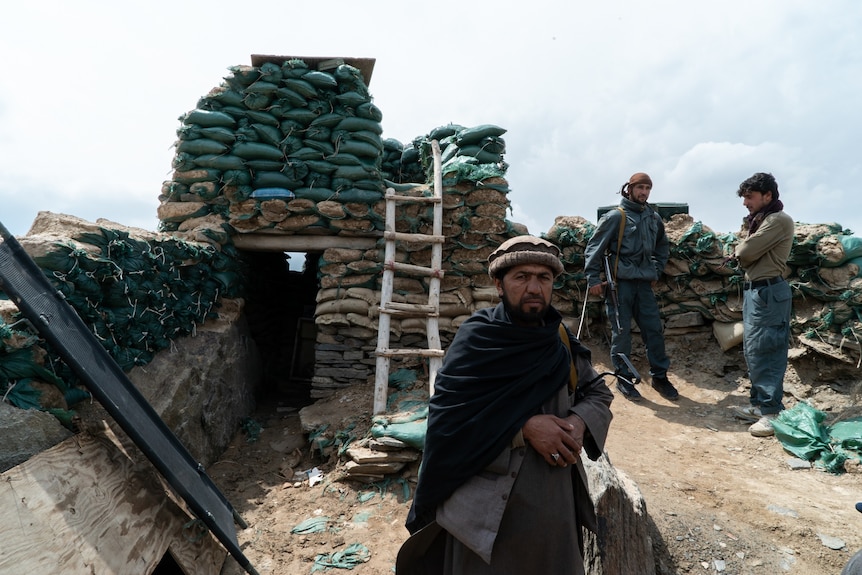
638 302
765 341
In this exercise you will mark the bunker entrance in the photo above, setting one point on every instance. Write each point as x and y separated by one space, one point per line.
282 293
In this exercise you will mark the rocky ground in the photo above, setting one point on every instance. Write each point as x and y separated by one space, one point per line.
720 500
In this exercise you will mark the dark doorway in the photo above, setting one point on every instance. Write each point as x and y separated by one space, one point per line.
168 566
280 309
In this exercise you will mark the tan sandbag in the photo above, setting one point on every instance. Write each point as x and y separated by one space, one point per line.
488 225
178 211
213 221
413 325
346 281
364 266
728 335
839 277
327 294
298 222
676 268
364 321
301 206
707 287
335 269
352 225
333 255
497 211
468 255
332 319
486 294
245 208
274 210
248 225
486 196
369 296
677 226
330 209
343 306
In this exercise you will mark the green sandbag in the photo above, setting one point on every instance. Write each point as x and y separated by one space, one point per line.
355 124
274 180
208 119
475 135
369 111
412 433
300 86
268 134
261 117
257 101
257 151
320 79
201 146
287 98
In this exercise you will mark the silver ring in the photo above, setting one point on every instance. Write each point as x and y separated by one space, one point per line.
555 456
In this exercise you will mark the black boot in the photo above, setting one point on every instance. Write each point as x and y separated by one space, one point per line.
628 390
665 388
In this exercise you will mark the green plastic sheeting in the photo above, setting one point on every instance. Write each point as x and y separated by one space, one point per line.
311 525
801 431
348 558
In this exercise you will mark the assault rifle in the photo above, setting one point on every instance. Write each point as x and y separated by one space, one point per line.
613 300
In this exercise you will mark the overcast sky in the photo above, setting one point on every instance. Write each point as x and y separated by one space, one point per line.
698 94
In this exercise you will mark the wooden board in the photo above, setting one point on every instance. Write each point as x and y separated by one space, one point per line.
94 505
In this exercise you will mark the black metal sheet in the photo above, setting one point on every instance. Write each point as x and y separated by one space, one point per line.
60 325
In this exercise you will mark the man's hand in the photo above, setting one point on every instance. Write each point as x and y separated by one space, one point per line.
598 289
552 436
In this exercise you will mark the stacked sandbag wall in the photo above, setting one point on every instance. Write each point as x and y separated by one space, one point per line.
137 291
279 147
474 220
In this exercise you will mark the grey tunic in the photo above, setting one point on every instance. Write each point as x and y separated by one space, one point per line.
521 515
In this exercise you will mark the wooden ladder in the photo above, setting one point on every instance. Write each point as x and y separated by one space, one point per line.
388 308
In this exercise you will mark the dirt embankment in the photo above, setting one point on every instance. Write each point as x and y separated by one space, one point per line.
721 500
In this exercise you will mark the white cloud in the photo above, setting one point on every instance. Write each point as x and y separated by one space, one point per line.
698 95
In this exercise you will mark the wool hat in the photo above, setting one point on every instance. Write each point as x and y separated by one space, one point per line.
639 178
524 250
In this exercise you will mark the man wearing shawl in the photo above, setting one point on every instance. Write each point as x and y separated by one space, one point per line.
501 486
766 300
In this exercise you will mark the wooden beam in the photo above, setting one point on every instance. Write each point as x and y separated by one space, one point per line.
294 243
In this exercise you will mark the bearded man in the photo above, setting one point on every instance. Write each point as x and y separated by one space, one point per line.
502 488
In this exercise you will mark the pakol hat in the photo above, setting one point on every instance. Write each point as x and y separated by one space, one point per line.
524 250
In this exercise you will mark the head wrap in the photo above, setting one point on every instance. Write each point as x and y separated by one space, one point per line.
638 178
524 250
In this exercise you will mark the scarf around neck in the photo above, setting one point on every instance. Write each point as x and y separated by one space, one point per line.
495 376
755 220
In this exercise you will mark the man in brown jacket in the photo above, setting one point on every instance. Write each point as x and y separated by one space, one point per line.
766 300
501 487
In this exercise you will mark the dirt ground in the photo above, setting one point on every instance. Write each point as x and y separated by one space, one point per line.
721 501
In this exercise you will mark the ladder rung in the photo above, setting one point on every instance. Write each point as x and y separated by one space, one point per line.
416 199
414 269
404 237
396 308
422 352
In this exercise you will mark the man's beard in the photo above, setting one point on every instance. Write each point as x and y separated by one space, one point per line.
521 317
